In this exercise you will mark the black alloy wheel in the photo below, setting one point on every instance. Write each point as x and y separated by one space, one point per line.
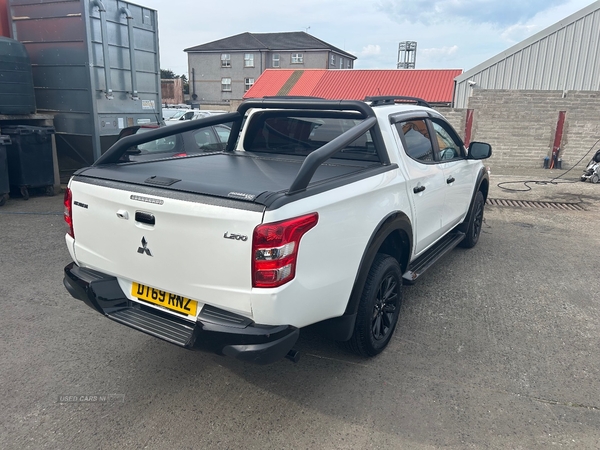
385 306
475 222
379 307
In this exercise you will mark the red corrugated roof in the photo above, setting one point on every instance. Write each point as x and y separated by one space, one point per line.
435 86
307 82
273 83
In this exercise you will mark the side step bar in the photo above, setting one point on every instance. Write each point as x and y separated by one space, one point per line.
426 260
154 325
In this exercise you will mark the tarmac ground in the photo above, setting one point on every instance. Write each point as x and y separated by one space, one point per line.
496 347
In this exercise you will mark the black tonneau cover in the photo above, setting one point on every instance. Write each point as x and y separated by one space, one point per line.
261 178
234 175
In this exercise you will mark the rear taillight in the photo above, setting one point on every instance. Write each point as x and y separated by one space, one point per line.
275 250
68 212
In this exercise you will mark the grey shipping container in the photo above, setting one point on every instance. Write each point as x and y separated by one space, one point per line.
16 82
95 67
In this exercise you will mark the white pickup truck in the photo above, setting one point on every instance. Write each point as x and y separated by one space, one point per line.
316 212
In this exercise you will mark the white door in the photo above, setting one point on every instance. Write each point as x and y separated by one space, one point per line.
427 184
458 174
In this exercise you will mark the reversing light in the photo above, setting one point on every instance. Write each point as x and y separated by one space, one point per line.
275 250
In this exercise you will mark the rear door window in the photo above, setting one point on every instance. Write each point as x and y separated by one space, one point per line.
417 141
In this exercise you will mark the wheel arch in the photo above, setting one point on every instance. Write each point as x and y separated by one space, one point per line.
482 184
393 236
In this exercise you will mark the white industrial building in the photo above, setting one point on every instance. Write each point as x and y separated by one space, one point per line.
563 57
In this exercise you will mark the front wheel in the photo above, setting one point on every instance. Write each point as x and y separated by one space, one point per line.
379 307
475 222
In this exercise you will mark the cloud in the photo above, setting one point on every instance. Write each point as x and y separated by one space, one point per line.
498 13
370 50
440 52
518 32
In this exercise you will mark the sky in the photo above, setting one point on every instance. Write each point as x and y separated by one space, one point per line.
450 34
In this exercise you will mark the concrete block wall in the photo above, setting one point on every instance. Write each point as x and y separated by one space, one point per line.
521 125
456 118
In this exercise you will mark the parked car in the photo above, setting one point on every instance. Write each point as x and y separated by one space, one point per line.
193 115
317 214
207 139
169 113
181 114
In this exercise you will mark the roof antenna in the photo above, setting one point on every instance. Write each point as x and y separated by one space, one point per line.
306 29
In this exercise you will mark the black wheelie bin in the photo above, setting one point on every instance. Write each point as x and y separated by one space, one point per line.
30 163
4 184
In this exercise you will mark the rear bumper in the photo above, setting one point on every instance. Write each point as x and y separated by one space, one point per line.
215 330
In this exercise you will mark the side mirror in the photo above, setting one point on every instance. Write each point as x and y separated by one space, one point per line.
479 150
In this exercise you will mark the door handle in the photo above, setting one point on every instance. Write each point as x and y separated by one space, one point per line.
418 189
450 180
144 217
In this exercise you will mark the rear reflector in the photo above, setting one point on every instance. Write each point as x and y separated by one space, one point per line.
275 250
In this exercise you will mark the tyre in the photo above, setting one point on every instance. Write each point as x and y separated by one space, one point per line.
379 307
24 193
594 178
3 198
475 222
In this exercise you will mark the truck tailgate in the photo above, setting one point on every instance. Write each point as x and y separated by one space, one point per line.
184 245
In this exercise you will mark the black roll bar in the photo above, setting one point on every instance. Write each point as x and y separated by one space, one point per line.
322 154
312 161
308 103
118 149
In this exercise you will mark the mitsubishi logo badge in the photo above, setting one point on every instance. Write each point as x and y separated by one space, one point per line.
144 248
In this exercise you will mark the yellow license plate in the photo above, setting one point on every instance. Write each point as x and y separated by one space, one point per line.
170 301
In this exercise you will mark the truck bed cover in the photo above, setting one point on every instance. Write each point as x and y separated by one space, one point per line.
233 175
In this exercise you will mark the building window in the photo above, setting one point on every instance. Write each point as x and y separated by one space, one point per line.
275 59
350 64
297 58
248 83
248 59
341 63
226 84
225 60
332 60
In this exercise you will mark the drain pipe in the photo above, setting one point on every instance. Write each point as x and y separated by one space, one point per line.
105 56
129 17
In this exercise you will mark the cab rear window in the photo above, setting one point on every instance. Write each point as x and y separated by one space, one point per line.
300 135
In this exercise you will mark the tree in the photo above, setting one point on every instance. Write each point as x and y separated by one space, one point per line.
167 74
186 84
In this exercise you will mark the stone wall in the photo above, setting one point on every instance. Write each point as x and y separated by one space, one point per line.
521 125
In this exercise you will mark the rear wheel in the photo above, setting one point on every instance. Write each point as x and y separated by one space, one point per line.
379 307
475 222
594 178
